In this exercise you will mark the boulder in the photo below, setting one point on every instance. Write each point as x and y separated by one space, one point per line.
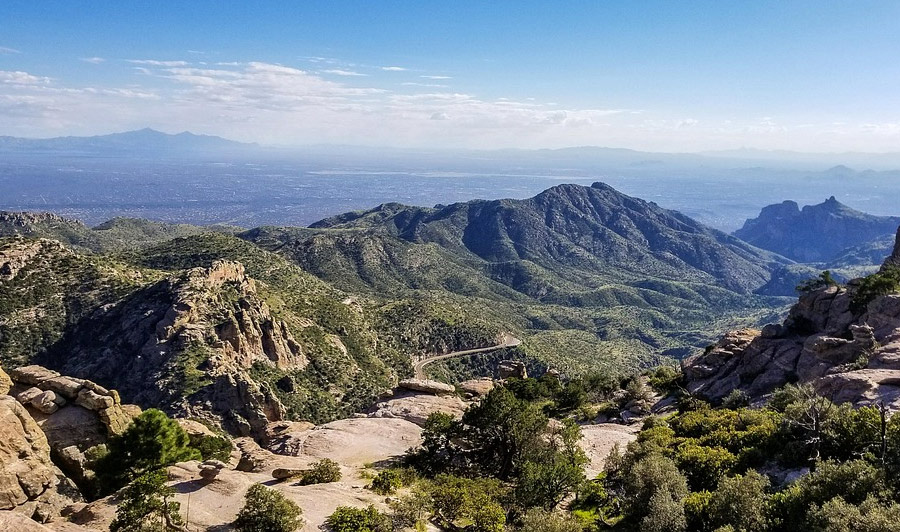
283 473
512 368
47 402
427 386
477 387
30 394
68 387
94 401
210 469
416 407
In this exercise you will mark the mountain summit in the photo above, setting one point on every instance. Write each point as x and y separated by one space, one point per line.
571 228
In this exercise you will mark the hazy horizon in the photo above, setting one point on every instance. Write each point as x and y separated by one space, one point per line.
656 76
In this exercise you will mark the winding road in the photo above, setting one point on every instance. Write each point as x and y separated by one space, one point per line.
419 367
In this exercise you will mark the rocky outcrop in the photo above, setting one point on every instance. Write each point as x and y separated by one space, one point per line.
186 344
849 356
512 368
47 391
29 482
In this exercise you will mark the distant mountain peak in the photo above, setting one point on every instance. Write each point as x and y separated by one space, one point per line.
146 141
815 233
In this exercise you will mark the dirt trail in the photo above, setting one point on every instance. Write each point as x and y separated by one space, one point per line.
419 367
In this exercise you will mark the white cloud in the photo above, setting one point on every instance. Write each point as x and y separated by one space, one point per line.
93 60
155 62
21 78
394 68
436 77
8 51
414 84
339 72
283 104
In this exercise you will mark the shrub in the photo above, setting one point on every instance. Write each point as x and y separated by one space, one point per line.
457 500
349 519
323 471
854 481
736 399
664 514
212 447
537 520
704 466
878 284
740 501
267 510
648 476
145 505
870 516
386 482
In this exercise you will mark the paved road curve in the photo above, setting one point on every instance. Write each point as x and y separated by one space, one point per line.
419 367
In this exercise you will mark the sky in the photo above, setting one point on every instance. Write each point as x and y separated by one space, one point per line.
652 75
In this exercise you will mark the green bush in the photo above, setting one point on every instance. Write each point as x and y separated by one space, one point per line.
145 506
152 441
349 519
878 284
537 520
212 447
267 510
323 471
386 482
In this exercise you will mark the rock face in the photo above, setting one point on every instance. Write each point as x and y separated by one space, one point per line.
849 356
185 344
29 482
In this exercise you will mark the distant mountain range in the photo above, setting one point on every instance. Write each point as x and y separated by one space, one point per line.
148 141
144 141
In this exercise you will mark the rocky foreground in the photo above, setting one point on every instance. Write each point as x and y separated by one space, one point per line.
849 354
44 414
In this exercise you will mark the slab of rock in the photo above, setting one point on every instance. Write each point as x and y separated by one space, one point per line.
427 386
416 407
32 375
477 387
358 441
68 387
93 401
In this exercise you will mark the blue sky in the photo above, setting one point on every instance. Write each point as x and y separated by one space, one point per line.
656 75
